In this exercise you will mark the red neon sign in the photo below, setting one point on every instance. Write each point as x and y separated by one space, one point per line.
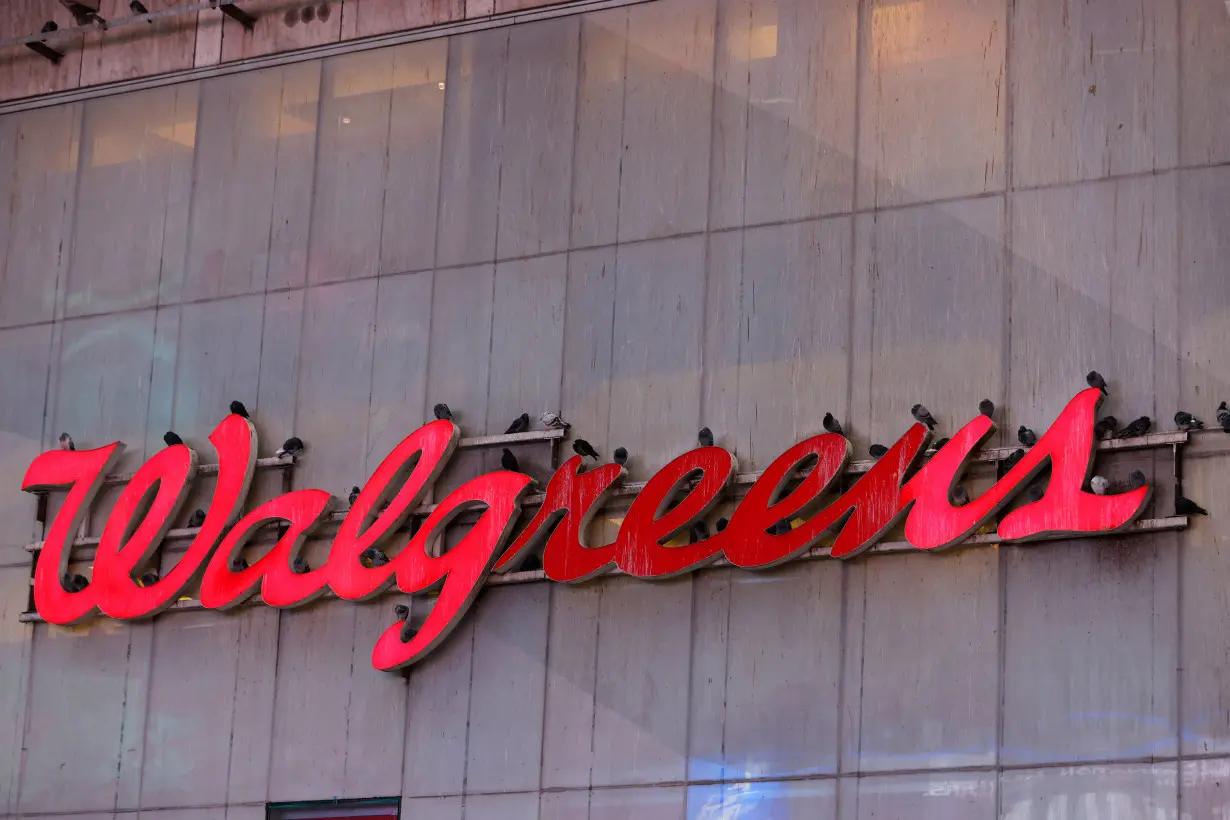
860 517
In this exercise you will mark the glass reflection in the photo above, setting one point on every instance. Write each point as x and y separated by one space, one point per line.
814 800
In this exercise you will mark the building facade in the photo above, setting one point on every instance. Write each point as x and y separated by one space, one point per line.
649 217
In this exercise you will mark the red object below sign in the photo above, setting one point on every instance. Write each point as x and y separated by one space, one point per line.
860 517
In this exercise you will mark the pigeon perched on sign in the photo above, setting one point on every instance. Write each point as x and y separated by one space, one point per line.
553 421
831 425
74 583
171 439
923 415
509 461
520 424
1223 416
1186 421
66 442
1136 480
720 524
442 412
877 450
1105 428
238 564
148 579
196 520
1026 436
1100 484
401 612
1137 427
238 409
782 527
705 437
1013 458
959 496
300 566
292 447
584 449
620 455
354 494
939 444
1094 379
1036 491
986 407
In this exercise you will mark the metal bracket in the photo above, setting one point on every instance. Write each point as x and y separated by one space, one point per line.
235 13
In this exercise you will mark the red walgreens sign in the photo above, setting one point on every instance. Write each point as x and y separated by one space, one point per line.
861 516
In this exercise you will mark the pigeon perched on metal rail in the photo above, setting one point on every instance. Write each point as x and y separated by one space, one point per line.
1186 421
1105 428
292 447
553 421
1137 427
520 424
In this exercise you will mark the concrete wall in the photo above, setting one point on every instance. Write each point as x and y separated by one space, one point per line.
739 213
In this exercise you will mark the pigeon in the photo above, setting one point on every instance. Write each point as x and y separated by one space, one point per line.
401 612
83 15
1105 428
699 531
292 447
1185 506
923 415
372 557
1013 458
442 412
73 583
66 442
1136 480
1094 379
520 424
1223 416
583 448
1026 436
939 444
1186 421
509 462
1100 484
959 496
49 27
196 519
137 7
172 439
149 579
621 456
832 425
354 494
781 527
239 563
1036 491
1137 428
877 450
300 565
986 407
720 526
238 409
705 437
553 421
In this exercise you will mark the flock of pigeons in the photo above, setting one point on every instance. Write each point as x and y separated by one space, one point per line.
1106 428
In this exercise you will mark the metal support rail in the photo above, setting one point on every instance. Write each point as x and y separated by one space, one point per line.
228 7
